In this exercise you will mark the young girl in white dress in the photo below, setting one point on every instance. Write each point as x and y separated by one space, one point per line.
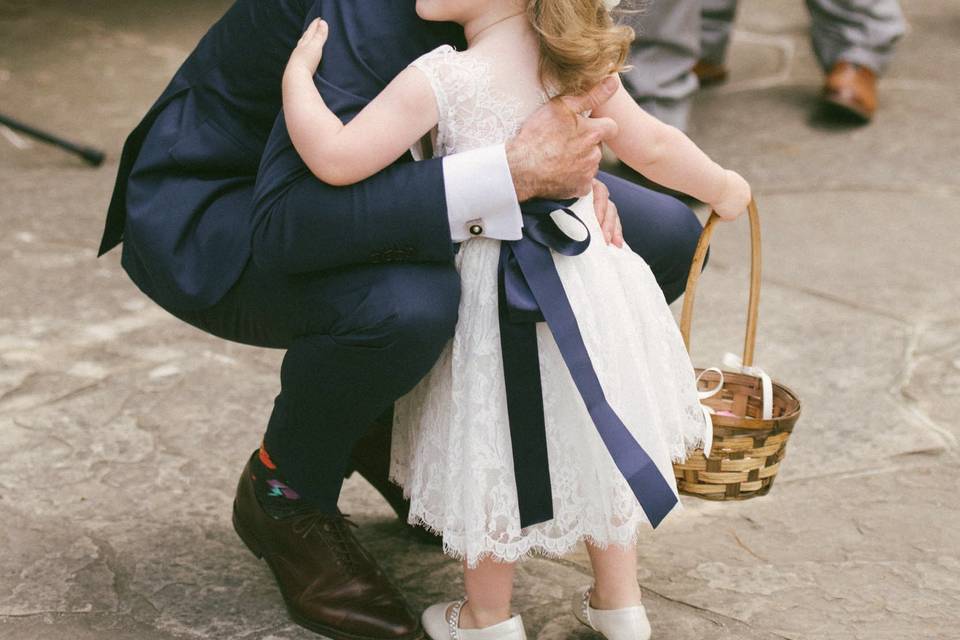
452 447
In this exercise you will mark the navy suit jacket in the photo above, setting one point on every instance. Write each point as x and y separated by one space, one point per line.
210 178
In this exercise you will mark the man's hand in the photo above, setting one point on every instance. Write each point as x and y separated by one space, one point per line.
607 214
557 154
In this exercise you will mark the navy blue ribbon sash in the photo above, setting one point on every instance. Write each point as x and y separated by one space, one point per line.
530 291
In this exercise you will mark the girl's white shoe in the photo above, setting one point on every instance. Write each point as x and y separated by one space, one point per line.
442 622
629 623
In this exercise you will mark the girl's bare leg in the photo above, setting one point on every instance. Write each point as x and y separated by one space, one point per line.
615 573
489 589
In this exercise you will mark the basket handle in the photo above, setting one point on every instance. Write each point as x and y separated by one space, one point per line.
753 306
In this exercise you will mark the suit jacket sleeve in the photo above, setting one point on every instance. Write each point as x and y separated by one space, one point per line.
400 214
302 224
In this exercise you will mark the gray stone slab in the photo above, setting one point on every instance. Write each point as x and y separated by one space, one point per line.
931 384
861 556
83 626
767 136
70 66
771 106
849 418
829 330
884 251
128 429
919 60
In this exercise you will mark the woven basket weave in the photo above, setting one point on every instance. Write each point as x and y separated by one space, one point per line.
747 450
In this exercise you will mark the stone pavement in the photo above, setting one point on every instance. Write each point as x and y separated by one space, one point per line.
125 430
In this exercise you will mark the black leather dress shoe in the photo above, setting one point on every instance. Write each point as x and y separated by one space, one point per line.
329 583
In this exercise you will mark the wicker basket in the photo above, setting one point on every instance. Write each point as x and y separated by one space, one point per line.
747 450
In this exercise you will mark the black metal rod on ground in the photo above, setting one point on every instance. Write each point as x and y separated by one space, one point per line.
89 154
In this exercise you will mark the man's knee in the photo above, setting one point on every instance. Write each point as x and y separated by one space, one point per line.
688 233
424 304
409 310
389 324
680 239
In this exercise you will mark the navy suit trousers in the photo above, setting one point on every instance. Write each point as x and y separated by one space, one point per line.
359 337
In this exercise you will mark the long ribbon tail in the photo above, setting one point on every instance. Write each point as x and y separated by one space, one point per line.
654 494
528 436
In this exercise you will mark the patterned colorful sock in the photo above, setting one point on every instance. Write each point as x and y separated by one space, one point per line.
276 497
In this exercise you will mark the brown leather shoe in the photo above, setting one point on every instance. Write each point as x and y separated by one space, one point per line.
852 90
329 583
710 74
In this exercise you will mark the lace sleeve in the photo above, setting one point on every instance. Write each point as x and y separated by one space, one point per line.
432 64
470 115
436 65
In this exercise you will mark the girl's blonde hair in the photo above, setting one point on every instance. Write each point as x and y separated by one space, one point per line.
579 43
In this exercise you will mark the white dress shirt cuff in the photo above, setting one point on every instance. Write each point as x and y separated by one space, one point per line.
481 200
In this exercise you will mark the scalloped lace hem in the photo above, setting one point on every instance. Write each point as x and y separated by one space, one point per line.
534 543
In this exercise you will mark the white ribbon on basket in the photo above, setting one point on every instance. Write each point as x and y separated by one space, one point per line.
708 411
735 362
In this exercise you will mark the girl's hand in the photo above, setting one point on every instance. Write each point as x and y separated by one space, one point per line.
309 50
735 197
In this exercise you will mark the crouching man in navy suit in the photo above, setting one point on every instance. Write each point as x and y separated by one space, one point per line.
224 226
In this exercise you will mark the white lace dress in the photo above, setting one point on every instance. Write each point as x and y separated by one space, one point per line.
451 439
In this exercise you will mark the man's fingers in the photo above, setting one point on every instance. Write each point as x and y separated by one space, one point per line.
618 232
599 129
595 155
601 198
610 224
607 214
593 98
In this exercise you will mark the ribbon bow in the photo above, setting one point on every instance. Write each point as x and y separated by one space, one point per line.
530 291
708 411
735 362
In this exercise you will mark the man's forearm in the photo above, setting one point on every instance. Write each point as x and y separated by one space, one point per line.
518 163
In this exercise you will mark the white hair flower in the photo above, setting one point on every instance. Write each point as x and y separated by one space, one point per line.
611 4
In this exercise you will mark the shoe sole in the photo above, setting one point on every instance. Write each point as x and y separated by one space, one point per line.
709 81
253 545
848 109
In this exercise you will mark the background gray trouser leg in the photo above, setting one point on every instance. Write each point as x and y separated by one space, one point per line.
717 18
663 55
858 31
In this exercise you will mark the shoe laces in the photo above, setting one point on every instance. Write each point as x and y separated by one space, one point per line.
335 532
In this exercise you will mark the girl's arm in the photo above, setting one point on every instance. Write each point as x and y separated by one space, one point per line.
668 157
383 131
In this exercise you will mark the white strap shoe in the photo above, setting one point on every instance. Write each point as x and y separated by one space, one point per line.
442 622
629 623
